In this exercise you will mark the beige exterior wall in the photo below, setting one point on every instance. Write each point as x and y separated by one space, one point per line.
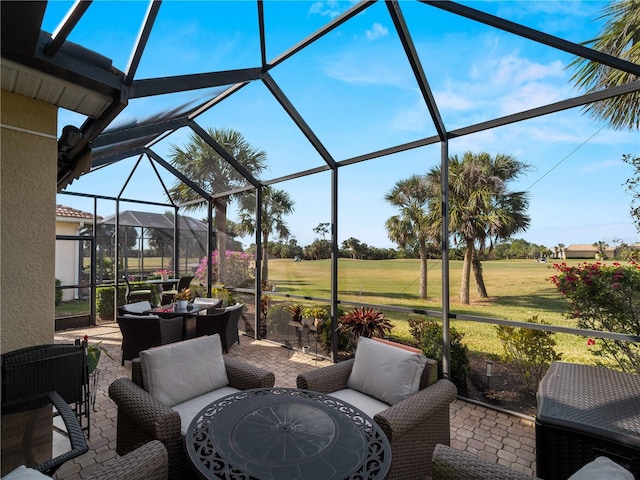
27 221
67 258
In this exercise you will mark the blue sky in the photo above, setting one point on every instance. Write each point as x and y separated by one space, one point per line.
356 90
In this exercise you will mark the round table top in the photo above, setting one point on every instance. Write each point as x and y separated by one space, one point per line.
286 433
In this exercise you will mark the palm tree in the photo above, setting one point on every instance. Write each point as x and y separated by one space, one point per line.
481 209
411 196
275 205
199 162
619 37
601 248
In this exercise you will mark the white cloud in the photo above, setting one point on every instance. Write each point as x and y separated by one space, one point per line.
358 67
376 31
453 101
329 9
600 166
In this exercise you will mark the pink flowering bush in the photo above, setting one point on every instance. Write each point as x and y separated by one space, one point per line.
240 269
605 298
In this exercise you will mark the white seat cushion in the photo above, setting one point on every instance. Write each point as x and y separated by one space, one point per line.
386 372
24 473
137 307
600 469
187 410
180 371
366 403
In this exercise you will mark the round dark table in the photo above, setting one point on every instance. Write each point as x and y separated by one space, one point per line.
288 434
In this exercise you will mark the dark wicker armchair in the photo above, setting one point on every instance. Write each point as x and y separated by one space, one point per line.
147 462
413 426
452 464
143 332
142 418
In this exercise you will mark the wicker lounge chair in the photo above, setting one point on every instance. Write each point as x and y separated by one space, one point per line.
452 464
142 417
147 462
413 426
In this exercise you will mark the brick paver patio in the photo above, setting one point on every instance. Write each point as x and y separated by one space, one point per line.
493 435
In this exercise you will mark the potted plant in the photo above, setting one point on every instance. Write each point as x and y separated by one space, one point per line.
93 353
295 309
182 297
317 313
164 274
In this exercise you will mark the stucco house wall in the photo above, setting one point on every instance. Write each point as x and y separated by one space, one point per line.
69 221
28 169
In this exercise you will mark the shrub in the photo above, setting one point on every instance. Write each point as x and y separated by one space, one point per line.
316 311
530 351
324 334
218 290
428 333
364 321
104 301
58 292
605 298
240 268
278 319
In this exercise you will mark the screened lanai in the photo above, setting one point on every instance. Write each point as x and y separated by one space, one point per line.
346 100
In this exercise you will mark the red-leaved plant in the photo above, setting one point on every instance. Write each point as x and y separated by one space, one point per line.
364 321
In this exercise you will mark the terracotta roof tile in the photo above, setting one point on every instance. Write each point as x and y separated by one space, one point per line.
63 211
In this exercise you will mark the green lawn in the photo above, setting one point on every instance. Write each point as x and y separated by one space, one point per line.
518 290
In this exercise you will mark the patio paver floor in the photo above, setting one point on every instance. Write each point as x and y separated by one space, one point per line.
495 436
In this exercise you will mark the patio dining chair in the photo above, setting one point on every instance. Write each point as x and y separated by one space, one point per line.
62 368
167 296
212 304
140 332
137 295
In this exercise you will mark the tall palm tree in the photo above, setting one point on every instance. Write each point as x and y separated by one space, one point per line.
199 162
275 205
601 247
619 37
481 209
411 225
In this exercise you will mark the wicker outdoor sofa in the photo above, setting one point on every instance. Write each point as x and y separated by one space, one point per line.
142 418
413 426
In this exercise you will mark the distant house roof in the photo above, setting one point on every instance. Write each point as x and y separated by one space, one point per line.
68 212
582 246
130 218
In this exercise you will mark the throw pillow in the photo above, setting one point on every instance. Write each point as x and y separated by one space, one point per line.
386 372
180 371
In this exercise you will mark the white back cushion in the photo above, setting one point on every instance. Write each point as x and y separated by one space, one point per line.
179 371
385 372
